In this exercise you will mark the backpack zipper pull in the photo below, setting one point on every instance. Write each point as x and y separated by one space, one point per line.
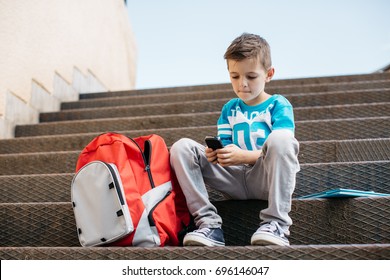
147 169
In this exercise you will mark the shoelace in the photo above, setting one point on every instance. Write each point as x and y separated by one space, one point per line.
204 231
271 227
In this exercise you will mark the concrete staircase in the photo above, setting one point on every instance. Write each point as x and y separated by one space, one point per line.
343 125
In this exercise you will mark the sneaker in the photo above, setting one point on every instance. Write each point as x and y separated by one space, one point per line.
205 237
270 234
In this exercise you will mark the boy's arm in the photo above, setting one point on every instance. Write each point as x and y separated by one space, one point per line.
224 128
283 115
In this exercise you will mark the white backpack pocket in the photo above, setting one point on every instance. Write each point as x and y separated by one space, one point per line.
99 204
146 234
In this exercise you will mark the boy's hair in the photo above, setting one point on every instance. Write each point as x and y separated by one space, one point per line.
250 46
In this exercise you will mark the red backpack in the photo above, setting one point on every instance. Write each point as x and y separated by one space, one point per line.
125 194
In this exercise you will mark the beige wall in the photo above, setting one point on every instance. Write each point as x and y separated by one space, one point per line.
41 40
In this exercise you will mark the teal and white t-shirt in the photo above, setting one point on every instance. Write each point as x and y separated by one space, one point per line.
249 126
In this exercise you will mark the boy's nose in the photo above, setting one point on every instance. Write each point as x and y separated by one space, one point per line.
243 83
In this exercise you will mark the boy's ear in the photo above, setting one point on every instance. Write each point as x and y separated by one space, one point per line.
270 74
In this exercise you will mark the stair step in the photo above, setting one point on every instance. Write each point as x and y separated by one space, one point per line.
38 163
281 85
201 119
310 152
344 151
300 113
305 99
316 221
76 142
294 252
117 124
365 176
333 79
312 178
271 88
35 188
306 131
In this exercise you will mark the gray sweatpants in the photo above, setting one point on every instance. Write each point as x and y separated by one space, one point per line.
271 178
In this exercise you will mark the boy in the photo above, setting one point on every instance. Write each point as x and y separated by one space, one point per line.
259 158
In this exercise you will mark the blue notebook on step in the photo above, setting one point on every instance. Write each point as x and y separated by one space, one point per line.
339 193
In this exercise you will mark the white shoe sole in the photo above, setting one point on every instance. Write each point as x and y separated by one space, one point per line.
267 239
194 240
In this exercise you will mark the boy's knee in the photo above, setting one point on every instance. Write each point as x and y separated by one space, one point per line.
282 142
180 146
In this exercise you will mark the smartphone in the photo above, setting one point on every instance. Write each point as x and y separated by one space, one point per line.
213 142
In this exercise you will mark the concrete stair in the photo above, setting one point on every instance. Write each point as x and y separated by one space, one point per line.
343 125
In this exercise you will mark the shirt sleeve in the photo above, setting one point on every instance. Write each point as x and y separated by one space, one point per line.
283 115
224 128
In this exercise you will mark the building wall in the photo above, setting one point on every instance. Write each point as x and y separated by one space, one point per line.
48 46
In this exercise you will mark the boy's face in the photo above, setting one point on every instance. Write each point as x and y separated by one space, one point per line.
248 78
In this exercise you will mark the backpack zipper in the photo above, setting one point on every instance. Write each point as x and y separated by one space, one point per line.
150 215
146 160
116 183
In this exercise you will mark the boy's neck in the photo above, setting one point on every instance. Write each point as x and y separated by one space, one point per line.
258 100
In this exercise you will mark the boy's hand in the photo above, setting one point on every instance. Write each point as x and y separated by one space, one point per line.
233 155
230 155
211 155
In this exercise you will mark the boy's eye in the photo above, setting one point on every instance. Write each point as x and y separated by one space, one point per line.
234 77
252 77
